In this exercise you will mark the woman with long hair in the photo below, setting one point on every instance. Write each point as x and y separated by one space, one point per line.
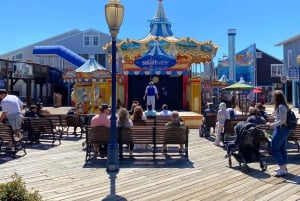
281 132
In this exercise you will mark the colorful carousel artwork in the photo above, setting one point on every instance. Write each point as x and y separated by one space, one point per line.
164 59
91 86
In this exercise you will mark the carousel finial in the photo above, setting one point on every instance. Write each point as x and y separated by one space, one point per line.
160 0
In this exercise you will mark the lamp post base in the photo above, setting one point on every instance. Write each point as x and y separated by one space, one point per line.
113 198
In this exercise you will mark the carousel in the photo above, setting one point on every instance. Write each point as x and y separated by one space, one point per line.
92 86
166 60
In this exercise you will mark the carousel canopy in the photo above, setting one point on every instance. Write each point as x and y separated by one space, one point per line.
90 71
89 66
185 50
160 25
155 58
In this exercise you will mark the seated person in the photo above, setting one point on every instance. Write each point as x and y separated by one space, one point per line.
150 112
134 104
124 121
71 111
209 111
138 114
41 112
31 112
255 117
165 111
262 110
175 122
101 119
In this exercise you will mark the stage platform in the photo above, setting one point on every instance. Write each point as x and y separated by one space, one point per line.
191 119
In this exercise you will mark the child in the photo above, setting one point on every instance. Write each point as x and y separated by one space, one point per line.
221 117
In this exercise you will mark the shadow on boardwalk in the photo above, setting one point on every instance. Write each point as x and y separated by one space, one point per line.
143 163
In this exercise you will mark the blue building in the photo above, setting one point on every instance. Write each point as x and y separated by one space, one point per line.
257 68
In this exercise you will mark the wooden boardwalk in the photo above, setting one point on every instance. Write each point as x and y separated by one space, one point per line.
60 173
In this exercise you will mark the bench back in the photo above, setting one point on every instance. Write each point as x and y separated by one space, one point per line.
295 134
6 132
73 120
138 135
97 134
229 126
210 120
175 135
41 125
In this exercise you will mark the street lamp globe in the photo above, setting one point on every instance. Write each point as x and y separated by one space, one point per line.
114 14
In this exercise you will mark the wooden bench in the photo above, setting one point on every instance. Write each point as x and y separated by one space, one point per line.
43 127
295 136
154 135
136 135
58 121
74 121
95 135
7 135
209 121
172 135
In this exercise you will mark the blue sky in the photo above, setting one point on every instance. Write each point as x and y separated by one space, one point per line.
257 21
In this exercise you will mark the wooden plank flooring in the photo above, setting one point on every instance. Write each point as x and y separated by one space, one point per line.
60 173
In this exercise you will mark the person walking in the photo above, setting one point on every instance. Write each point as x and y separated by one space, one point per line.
150 93
221 118
11 109
280 133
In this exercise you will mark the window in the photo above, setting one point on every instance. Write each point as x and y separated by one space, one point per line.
86 41
289 58
95 41
276 70
19 56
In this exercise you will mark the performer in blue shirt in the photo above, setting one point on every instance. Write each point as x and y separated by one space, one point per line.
151 92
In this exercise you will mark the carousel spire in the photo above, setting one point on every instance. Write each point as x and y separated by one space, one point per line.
160 25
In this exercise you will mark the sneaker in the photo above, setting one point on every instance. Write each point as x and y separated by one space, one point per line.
218 145
226 155
276 170
280 173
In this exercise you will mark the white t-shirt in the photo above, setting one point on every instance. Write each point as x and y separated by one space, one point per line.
11 104
165 113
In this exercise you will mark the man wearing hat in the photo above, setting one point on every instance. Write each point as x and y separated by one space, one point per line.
150 93
11 109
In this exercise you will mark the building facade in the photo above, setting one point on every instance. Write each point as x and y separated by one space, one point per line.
257 68
63 52
291 49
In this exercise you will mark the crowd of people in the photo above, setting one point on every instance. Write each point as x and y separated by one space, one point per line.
258 116
129 118
12 108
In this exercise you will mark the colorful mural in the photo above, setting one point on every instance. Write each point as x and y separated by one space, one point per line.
244 62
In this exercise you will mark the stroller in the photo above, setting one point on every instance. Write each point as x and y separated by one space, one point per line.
246 146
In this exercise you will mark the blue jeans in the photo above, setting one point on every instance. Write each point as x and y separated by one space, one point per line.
278 144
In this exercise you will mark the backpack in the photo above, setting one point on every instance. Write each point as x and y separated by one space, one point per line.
291 120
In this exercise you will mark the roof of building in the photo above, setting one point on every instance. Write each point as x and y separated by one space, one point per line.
289 40
54 38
